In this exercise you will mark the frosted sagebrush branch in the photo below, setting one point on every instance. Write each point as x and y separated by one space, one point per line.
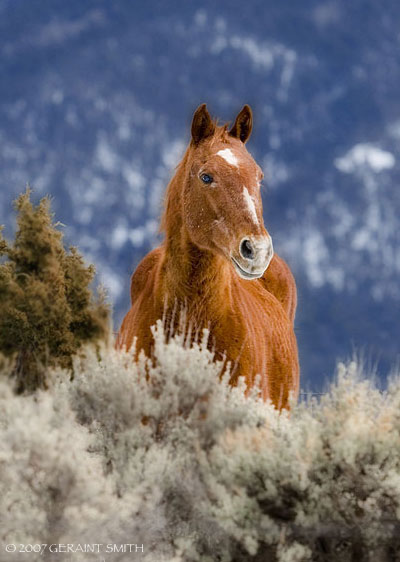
193 469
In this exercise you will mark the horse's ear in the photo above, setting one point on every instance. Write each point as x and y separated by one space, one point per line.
202 124
243 124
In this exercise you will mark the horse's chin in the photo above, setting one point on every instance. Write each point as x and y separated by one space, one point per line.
246 274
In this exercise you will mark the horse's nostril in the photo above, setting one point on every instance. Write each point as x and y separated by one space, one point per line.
246 250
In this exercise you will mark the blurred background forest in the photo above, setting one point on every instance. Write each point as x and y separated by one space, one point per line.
96 99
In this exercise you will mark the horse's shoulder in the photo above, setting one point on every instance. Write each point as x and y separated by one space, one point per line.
144 271
278 280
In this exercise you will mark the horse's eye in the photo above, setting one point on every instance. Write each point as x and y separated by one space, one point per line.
206 178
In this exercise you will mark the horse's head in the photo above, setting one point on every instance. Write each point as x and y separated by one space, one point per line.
222 201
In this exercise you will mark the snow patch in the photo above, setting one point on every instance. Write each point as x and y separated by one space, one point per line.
276 171
315 255
112 282
119 236
261 54
122 234
137 236
365 154
172 153
200 18
106 157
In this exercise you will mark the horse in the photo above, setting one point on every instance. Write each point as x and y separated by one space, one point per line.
217 263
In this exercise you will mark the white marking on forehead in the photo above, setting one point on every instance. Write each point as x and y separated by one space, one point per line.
248 199
228 156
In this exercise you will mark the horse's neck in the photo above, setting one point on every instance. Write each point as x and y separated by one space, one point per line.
194 273
190 273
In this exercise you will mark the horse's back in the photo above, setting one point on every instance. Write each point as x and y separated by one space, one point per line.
278 280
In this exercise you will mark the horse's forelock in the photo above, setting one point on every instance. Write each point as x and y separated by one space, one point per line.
221 133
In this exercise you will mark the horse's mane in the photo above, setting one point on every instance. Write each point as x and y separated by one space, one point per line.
172 199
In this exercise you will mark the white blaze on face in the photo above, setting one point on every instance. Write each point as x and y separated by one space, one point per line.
249 201
229 157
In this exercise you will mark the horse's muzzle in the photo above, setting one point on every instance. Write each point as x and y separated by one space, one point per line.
254 256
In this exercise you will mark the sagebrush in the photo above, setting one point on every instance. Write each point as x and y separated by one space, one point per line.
167 456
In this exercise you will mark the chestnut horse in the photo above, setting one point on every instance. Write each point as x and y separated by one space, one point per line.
217 262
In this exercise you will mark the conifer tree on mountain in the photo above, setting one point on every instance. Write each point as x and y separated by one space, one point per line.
47 310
